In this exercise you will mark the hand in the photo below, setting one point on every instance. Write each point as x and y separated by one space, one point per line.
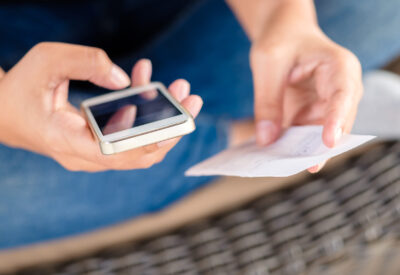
35 113
301 77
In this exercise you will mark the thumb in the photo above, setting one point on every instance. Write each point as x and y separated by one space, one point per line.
64 61
268 97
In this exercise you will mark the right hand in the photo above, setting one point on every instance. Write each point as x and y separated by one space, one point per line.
35 113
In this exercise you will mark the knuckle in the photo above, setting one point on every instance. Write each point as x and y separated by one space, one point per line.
120 162
111 162
105 161
42 47
347 59
92 169
256 53
151 148
70 167
266 102
76 168
268 115
115 165
159 159
41 53
259 51
51 137
98 57
267 53
274 51
265 107
146 164
148 161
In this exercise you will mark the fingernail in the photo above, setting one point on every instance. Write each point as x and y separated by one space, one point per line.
194 105
338 134
313 169
146 70
184 86
183 89
119 77
266 131
317 168
165 142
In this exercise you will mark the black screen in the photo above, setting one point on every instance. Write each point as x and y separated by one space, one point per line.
133 111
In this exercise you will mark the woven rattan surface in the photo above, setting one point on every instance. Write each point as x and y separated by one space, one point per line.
334 223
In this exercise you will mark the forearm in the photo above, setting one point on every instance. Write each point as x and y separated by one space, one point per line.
255 15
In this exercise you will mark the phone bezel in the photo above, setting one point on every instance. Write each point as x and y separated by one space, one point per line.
139 130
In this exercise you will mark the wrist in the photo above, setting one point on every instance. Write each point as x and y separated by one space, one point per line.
257 16
290 18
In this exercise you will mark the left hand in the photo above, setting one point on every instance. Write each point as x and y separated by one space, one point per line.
35 113
301 77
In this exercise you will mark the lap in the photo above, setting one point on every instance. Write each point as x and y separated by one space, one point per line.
39 200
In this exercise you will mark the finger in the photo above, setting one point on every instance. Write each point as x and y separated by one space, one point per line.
193 104
121 120
350 121
317 168
79 63
339 82
60 95
179 89
72 163
302 71
141 73
1 72
340 116
269 79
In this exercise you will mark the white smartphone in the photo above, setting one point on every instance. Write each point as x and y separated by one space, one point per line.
127 119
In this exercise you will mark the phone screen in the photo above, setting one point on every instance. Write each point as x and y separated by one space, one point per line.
133 111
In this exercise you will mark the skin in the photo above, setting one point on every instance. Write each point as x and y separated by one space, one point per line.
300 76
35 92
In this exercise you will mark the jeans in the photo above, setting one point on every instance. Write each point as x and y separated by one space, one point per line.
197 40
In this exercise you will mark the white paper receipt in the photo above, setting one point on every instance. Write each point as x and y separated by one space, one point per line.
299 148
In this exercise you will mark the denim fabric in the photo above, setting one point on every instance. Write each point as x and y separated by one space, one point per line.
200 41
369 28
